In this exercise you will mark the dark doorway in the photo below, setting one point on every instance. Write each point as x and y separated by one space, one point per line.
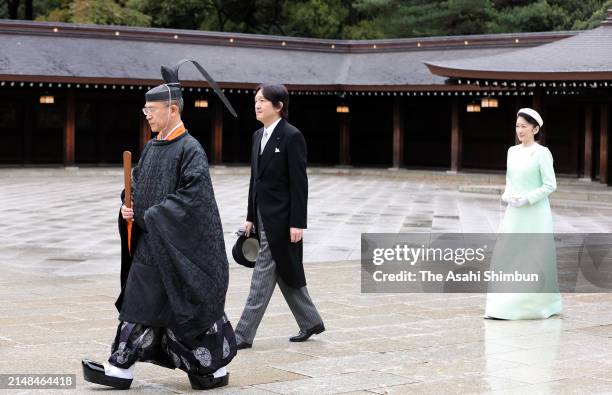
105 127
371 131
564 129
316 118
427 132
487 134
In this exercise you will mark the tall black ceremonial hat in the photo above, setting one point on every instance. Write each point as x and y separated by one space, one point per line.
171 90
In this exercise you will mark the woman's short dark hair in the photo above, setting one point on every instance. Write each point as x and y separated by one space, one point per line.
532 122
276 93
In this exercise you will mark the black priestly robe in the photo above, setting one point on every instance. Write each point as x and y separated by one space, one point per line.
177 274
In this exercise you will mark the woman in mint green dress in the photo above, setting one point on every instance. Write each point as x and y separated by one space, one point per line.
530 178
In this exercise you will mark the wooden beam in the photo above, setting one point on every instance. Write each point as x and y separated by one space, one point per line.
69 129
588 142
217 133
603 142
456 137
398 133
345 140
117 82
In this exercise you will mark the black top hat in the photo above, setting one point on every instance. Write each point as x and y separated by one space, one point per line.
246 248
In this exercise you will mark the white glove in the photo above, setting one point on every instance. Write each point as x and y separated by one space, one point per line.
518 202
505 199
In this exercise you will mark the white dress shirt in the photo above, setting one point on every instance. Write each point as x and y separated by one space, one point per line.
267 132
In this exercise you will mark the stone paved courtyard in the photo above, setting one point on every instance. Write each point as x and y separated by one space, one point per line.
59 259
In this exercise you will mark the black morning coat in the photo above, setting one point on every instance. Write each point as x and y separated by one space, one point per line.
279 188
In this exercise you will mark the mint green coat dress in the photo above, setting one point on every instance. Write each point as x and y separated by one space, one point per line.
529 174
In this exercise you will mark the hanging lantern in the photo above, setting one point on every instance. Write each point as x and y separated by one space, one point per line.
201 103
489 102
473 107
47 100
342 109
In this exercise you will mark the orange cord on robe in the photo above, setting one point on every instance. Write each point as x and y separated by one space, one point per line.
175 133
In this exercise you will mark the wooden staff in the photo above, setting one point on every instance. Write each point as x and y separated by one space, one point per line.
127 182
127 178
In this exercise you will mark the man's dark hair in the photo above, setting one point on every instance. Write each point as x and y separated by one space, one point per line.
276 93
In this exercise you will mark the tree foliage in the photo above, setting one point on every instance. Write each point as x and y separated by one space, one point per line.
346 19
102 12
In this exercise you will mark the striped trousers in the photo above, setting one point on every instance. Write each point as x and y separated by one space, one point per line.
263 282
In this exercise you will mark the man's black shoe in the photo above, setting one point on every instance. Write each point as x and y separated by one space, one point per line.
305 335
243 345
207 382
94 373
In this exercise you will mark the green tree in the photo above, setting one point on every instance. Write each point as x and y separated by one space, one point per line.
394 18
595 19
251 16
468 16
180 14
415 18
535 17
15 8
102 12
316 18
348 19
366 18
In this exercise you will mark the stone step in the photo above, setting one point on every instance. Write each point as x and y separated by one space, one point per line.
563 192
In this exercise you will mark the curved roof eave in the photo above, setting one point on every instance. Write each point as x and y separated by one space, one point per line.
444 71
586 56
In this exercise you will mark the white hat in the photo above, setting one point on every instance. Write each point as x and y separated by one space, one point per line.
533 114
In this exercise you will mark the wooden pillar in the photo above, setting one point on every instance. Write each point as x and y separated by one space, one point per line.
456 137
69 129
144 134
29 104
538 105
518 105
398 133
345 140
603 143
217 133
536 102
588 142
